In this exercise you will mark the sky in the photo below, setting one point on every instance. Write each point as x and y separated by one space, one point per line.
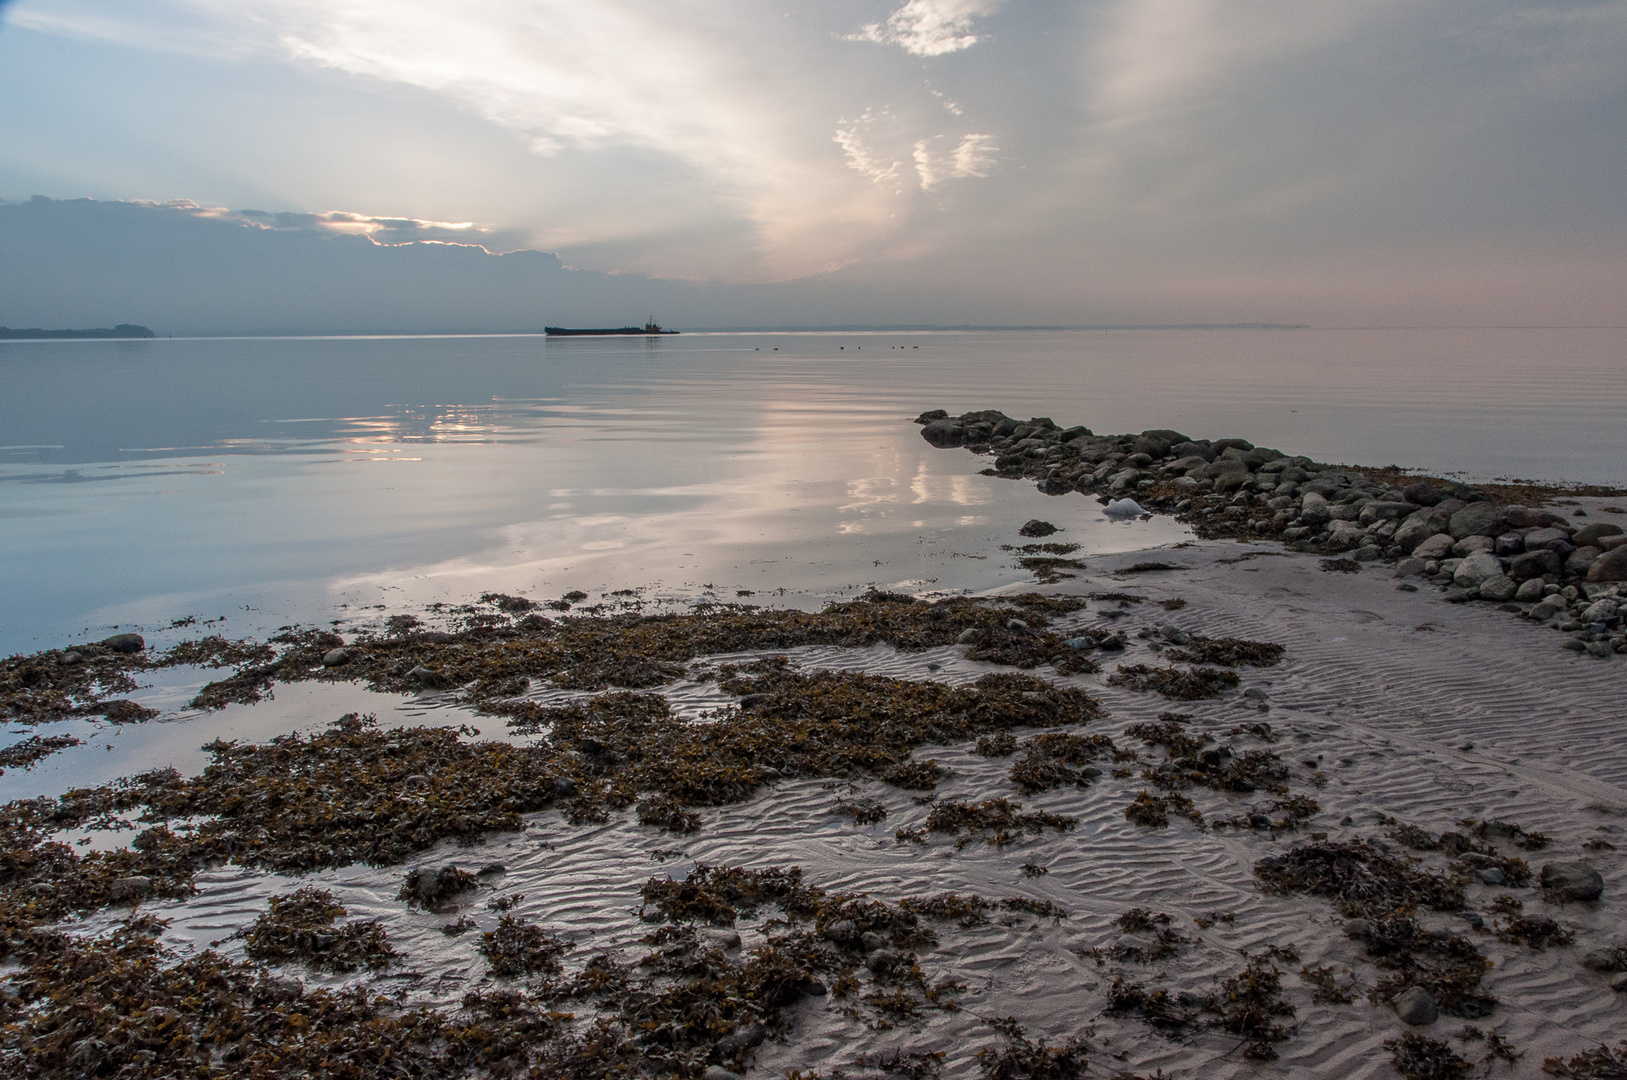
1329 162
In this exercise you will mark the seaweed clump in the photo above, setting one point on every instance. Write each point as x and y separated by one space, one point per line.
1418 1057
1155 811
720 894
1600 1063
1359 877
995 821
1172 682
1056 758
300 926
519 948
1022 1058
27 753
1228 652
495 651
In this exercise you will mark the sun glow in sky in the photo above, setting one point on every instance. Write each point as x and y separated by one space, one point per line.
1101 160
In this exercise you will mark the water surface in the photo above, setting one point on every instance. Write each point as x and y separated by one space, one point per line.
278 480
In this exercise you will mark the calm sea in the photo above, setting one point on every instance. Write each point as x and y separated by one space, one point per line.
273 480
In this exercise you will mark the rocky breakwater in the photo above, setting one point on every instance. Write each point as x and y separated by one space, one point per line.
1473 542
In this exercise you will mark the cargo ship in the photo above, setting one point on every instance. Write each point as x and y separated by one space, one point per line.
648 328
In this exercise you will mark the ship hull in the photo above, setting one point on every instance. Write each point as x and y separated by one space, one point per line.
622 331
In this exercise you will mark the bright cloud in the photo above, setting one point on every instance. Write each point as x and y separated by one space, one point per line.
929 27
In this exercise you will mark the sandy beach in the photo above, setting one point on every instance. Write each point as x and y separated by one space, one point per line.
1134 925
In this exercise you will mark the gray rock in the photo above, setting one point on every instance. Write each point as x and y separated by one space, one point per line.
1530 591
1477 569
873 941
1471 544
1255 693
741 1038
1618 982
1572 881
1601 650
420 673
883 960
1578 562
1434 547
1036 527
129 889
723 939
1421 493
1601 610
1492 876
842 930
335 657
944 433
967 636
1383 511
1592 534
1611 566
1409 567
1534 564
1477 519
1611 543
1499 588
1315 509
1414 531
718 1072
1510 543
1546 537
1414 1006
125 643
437 637
70 657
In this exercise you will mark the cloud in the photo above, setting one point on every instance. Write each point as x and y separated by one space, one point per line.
929 27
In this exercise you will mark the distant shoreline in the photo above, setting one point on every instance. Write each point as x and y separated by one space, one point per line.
123 330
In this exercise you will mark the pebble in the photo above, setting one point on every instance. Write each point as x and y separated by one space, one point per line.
125 643
1572 881
1414 1006
129 888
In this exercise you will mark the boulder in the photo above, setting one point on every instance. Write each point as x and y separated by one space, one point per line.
1036 527
1477 519
1569 881
1421 494
1499 588
1611 566
1523 517
1414 1006
1149 444
335 657
944 434
1602 610
1475 570
1578 562
1194 449
1222 445
1315 509
1510 544
1611 543
1530 591
1383 511
1435 547
1546 537
1471 544
1534 564
125 643
1592 534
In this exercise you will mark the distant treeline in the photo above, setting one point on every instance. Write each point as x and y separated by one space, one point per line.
123 330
